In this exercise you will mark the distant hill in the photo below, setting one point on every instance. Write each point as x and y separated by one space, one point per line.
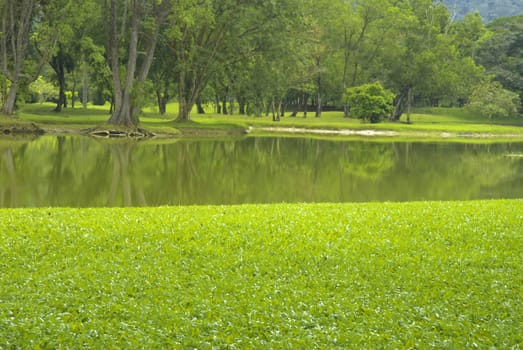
488 9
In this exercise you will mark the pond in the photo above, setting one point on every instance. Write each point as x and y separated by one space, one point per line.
76 171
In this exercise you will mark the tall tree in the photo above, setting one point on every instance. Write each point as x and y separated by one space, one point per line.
61 62
420 60
214 35
282 63
30 31
70 54
17 19
355 40
140 36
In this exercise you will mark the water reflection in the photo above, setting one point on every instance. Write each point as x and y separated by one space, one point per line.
83 172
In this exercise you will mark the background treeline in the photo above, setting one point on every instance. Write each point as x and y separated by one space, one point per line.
256 57
489 9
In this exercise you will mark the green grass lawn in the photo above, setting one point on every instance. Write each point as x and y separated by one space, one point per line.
293 276
427 122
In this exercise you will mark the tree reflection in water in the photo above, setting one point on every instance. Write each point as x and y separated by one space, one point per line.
9 188
122 181
82 172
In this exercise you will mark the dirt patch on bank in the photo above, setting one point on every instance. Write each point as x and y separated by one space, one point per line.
380 133
343 132
211 132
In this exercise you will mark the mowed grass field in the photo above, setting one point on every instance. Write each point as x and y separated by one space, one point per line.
442 275
427 122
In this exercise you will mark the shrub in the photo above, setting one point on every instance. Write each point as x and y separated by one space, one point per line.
370 102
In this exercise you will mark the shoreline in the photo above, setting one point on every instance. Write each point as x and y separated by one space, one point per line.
20 128
381 133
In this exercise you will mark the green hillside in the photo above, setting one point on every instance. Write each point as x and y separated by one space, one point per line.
489 9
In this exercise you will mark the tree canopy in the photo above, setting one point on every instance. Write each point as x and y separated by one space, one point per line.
256 56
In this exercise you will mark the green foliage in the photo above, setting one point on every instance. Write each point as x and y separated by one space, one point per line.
370 102
502 53
493 101
419 275
43 89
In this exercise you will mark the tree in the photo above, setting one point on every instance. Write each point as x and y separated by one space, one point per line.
491 100
282 65
468 33
74 30
146 18
30 32
420 60
501 53
370 102
213 36
163 77
62 63
17 20
352 36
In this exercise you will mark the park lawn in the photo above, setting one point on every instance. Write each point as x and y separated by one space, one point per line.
427 122
294 276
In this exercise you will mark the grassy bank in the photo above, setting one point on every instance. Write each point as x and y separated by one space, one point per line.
411 275
427 123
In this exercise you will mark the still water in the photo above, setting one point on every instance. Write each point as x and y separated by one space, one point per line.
79 171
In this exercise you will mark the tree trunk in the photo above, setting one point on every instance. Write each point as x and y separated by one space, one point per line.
224 105
14 40
58 65
399 107
186 97
115 63
124 113
184 110
346 110
73 91
346 55
231 106
410 97
318 93
10 102
305 101
3 91
275 110
241 105
125 108
62 101
85 85
199 107
162 99
161 102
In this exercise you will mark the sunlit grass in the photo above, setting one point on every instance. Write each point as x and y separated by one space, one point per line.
427 122
411 275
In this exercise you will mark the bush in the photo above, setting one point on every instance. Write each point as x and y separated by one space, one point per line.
369 102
